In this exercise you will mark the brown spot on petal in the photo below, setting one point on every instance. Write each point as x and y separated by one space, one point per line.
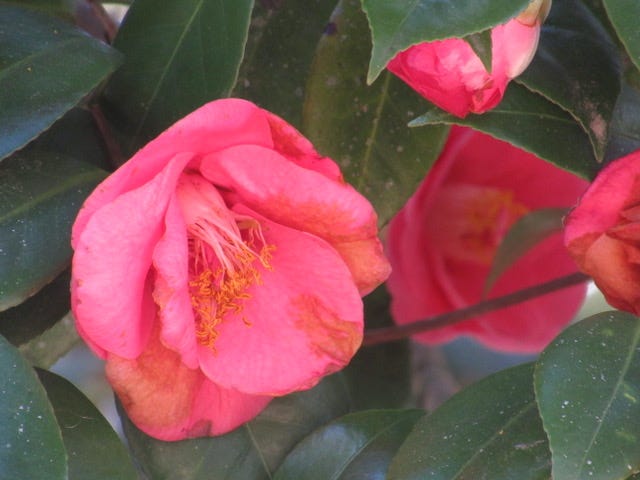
329 335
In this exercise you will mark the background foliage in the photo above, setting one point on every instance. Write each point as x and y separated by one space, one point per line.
73 107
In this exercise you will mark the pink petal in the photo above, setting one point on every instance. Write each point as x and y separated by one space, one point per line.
304 200
609 194
171 292
301 323
169 401
296 148
111 265
212 127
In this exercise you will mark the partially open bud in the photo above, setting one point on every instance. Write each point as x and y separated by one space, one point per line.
451 75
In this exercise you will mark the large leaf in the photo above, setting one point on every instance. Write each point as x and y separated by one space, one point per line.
252 451
46 349
31 318
491 430
30 440
625 128
94 450
624 16
529 121
396 25
577 66
364 128
282 42
178 56
358 445
40 195
588 389
46 68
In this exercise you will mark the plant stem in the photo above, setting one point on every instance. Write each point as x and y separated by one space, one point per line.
388 334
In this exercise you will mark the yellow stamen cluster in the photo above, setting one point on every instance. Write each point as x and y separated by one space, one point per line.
222 269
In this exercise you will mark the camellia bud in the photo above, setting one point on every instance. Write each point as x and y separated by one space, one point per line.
452 76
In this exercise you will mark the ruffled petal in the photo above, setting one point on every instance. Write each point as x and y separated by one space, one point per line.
305 200
302 321
112 265
169 401
171 292
214 126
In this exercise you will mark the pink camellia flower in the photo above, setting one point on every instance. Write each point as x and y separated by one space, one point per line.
603 232
451 75
222 266
442 243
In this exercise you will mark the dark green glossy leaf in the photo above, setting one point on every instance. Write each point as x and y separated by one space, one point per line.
397 25
57 7
588 389
529 121
282 42
358 445
178 56
75 135
30 441
577 66
379 376
252 451
624 16
363 128
94 450
38 313
491 430
481 44
46 68
521 237
46 349
625 128
40 195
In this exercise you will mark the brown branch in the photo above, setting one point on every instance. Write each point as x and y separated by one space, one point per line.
388 334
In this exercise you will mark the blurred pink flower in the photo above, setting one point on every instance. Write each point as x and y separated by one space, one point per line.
442 243
603 232
222 266
451 75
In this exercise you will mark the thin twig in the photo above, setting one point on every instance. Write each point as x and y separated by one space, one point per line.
388 334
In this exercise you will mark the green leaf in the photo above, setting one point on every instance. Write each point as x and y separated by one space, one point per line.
624 15
40 195
38 313
588 389
529 121
625 127
358 445
490 430
379 376
521 237
45 350
252 451
61 8
177 57
280 48
364 128
95 452
46 68
577 66
481 44
30 440
397 25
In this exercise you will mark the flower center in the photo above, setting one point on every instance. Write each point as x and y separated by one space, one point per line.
223 250
469 221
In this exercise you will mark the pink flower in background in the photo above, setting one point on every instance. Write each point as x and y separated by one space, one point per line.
441 244
222 266
451 75
603 232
